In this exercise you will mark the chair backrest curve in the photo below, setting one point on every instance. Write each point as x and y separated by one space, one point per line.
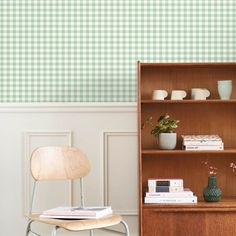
54 163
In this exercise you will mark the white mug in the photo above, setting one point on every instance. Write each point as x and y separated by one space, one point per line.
159 94
199 93
178 94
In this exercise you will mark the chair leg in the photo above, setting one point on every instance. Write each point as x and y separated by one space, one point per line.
54 230
91 232
28 227
126 227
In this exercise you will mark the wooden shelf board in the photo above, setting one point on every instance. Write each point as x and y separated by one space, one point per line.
226 204
185 64
186 101
184 152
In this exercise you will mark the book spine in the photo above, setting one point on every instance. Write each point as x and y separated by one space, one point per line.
170 194
154 189
202 148
171 200
165 182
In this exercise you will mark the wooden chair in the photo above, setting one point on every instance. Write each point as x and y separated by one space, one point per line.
69 163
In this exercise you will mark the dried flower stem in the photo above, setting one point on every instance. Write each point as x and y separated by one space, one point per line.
233 166
212 170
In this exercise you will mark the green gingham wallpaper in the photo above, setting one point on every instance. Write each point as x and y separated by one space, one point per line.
86 50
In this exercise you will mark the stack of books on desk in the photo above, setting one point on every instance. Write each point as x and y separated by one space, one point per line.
202 142
168 191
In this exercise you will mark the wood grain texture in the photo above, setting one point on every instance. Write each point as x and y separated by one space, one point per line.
192 170
77 225
188 101
194 119
212 116
179 152
185 64
54 163
169 77
225 205
188 223
140 181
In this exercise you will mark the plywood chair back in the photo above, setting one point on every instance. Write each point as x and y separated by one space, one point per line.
68 163
55 163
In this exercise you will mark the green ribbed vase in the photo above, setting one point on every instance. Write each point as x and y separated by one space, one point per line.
212 193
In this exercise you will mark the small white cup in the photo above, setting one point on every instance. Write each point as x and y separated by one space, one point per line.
159 94
199 93
178 94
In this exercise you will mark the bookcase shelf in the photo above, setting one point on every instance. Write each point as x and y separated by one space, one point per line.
211 116
189 101
226 204
184 152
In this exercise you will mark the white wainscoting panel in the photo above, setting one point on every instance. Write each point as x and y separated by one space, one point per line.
113 157
121 175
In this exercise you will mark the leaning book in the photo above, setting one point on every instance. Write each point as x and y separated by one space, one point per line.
77 212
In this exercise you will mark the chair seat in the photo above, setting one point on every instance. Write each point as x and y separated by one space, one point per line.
77 225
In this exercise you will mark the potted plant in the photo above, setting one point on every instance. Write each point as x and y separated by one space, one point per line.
163 130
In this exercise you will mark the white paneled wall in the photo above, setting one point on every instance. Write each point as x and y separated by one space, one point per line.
121 157
105 132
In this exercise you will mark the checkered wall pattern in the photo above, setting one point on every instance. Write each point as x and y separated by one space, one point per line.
86 50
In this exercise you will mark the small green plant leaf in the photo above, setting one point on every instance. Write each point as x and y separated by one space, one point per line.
163 125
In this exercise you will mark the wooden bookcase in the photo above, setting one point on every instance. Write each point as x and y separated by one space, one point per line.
212 116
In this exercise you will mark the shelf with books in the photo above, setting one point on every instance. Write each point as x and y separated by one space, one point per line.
226 204
184 152
190 101
197 117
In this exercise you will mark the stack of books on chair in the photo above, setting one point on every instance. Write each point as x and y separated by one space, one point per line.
77 212
168 191
202 142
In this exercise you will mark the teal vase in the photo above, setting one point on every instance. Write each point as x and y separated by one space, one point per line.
212 193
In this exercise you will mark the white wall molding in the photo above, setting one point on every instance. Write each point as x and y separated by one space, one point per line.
29 126
106 136
69 107
28 135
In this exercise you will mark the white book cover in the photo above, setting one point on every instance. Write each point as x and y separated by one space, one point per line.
77 212
185 193
204 148
154 189
202 143
201 137
169 200
166 182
